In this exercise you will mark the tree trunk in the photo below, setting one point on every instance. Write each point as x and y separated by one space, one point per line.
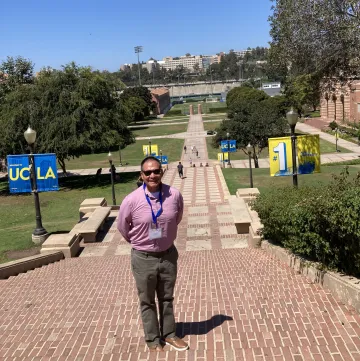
62 165
256 160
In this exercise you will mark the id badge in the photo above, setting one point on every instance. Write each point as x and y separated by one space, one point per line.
155 233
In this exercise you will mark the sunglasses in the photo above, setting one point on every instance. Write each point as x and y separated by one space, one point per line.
155 171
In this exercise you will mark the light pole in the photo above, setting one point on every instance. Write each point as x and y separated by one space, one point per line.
292 119
138 50
249 149
336 139
120 155
212 92
161 157
149 146
39 234
110 158
228 147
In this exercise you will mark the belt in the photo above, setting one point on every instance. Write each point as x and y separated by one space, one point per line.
155 254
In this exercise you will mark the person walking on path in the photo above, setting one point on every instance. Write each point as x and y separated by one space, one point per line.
185 149
197 153
148 219
180 168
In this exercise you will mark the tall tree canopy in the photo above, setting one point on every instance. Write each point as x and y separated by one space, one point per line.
74 110
316 37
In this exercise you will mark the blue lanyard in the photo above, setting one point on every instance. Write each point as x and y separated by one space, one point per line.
154 216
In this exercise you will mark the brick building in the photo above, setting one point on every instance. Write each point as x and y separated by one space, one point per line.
342 104
161 96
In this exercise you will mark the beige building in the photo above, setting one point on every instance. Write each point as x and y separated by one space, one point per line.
342 104
188 62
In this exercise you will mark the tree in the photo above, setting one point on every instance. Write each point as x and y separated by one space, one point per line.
144 94
316 37
14 72
302 91
74 110
254 118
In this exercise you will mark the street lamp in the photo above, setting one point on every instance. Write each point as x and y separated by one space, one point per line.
161 157
39 234
336 139
249 149
228 147
149 146
110 158
138 49
292 119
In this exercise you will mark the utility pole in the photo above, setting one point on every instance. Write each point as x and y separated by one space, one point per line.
138 50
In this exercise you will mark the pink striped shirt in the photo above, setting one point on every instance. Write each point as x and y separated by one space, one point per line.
135 218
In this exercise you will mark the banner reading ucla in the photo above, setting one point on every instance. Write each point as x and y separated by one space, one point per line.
224 146
45 170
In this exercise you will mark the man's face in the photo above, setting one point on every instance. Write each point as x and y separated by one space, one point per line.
151 179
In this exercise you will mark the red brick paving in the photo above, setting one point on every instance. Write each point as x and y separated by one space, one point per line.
237 304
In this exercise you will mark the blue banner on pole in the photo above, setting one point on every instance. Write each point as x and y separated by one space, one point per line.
45 170
163 159
224 146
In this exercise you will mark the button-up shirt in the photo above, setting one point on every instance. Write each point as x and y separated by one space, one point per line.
135 218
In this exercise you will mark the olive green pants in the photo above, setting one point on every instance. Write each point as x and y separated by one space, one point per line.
155 273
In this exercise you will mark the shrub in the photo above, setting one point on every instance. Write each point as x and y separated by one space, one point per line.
318 223
218 110
333 125
173 112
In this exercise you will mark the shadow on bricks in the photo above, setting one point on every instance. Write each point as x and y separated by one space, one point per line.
202 327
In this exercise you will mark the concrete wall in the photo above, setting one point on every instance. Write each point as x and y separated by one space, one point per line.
196 88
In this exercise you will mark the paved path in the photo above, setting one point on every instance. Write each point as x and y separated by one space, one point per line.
233 303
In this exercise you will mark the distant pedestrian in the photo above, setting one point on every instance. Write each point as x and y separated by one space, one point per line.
185 149
197 153
180 168
192 149
190 162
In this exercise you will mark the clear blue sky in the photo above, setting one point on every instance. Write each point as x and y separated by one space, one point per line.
103 33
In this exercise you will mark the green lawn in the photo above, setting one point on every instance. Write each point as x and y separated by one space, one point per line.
132 154
325 147
211 125
160 130
240 178
205 106
60 210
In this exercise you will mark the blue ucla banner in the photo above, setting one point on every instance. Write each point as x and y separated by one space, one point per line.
224 146
163 159
45 170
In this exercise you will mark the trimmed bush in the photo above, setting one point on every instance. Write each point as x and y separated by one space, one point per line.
218 110
318 223
173 112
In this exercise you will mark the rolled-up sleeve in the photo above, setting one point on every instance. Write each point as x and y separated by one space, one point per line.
124 222
180 209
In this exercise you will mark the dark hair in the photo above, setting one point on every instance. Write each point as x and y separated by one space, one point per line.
149 158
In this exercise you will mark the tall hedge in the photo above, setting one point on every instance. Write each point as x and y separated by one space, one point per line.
319 223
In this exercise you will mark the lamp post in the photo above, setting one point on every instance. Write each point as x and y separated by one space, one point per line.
292 119
120 155
39 234
228 147
149 146
249 149
161 157
336 139
138 50
110 158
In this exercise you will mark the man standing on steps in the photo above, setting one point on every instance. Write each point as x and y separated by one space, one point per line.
148 219
180 168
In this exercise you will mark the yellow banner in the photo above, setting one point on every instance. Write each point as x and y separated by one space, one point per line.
154 150
280 156
223 156
308 153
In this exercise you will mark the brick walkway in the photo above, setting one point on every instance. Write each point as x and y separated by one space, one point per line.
233 303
